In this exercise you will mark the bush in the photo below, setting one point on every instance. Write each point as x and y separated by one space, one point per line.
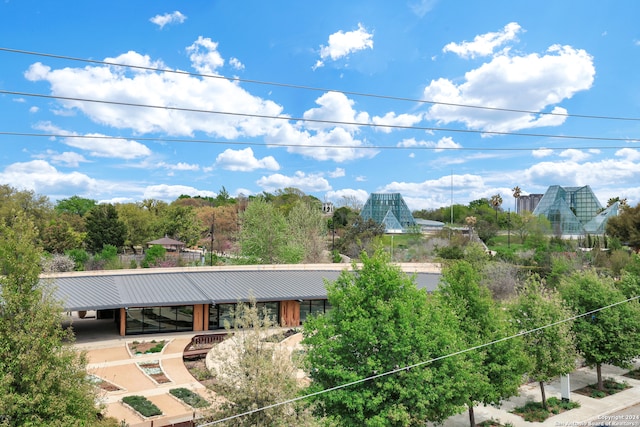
189 397
142 405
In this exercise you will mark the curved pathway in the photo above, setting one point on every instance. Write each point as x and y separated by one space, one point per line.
112 362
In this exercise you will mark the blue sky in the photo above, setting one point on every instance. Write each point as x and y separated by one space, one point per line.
345 116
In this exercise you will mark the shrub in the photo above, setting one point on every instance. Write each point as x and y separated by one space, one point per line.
142 405
189 397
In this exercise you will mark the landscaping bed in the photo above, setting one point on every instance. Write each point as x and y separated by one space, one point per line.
146 347
635 374
189 397
103 384
534 411
198 369
153 370
611 386
142 405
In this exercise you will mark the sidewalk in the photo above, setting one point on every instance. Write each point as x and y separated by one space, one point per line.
590 412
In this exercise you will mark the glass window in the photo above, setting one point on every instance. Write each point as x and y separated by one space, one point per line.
151 320
313 307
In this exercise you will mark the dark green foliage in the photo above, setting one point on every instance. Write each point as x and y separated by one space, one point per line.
450 252
142 405
608 336
495 372
75 205
79 256
360 237
153 255
43 380
104 228
189 397
536 412
626 226
380 322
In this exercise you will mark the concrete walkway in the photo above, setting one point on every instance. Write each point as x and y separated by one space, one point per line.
112 362
592 412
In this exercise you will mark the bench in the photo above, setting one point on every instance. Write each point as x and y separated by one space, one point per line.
201 344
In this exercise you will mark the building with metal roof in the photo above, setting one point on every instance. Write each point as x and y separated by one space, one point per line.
202 298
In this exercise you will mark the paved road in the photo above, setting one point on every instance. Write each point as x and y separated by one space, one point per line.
634 410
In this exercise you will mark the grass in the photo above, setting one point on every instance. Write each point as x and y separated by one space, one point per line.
142 405
535 412
189 397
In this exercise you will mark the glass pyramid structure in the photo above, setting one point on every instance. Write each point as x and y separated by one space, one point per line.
388 209
574 210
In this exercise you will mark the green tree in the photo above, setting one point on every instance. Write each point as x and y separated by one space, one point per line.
104 228
263 234
254 372
59 236
37 208
181 223
140 224
552 350
360 237
43 380
307 230
609 336
626 226
381 323
496 370
75 205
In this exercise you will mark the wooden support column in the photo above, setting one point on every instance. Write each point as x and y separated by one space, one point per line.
123 322
198 317
290 314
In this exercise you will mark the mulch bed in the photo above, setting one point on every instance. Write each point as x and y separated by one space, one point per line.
198 369
610 387
154 370
635 374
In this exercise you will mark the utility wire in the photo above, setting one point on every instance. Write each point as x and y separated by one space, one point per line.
317 89
271 144
409 367
333 122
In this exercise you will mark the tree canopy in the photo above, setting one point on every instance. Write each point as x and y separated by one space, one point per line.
381 323
43 381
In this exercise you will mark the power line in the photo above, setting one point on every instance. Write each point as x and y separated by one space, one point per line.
317 89
419 364
333 122
270 144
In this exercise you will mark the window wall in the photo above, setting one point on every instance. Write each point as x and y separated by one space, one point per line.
219 313
154 320
313 307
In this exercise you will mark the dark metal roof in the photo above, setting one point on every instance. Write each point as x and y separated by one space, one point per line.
107 290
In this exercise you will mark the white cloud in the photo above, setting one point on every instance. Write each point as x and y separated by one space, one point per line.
532 83
484 44
343 43
235 63
361 178
575 155
604 172
163 90
325 141
420 189
42 178
630 154
300 180
337 173
244 161
180 166
172 192
67 159
168 18
542 152
99 145
445 143
337 196
389 120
